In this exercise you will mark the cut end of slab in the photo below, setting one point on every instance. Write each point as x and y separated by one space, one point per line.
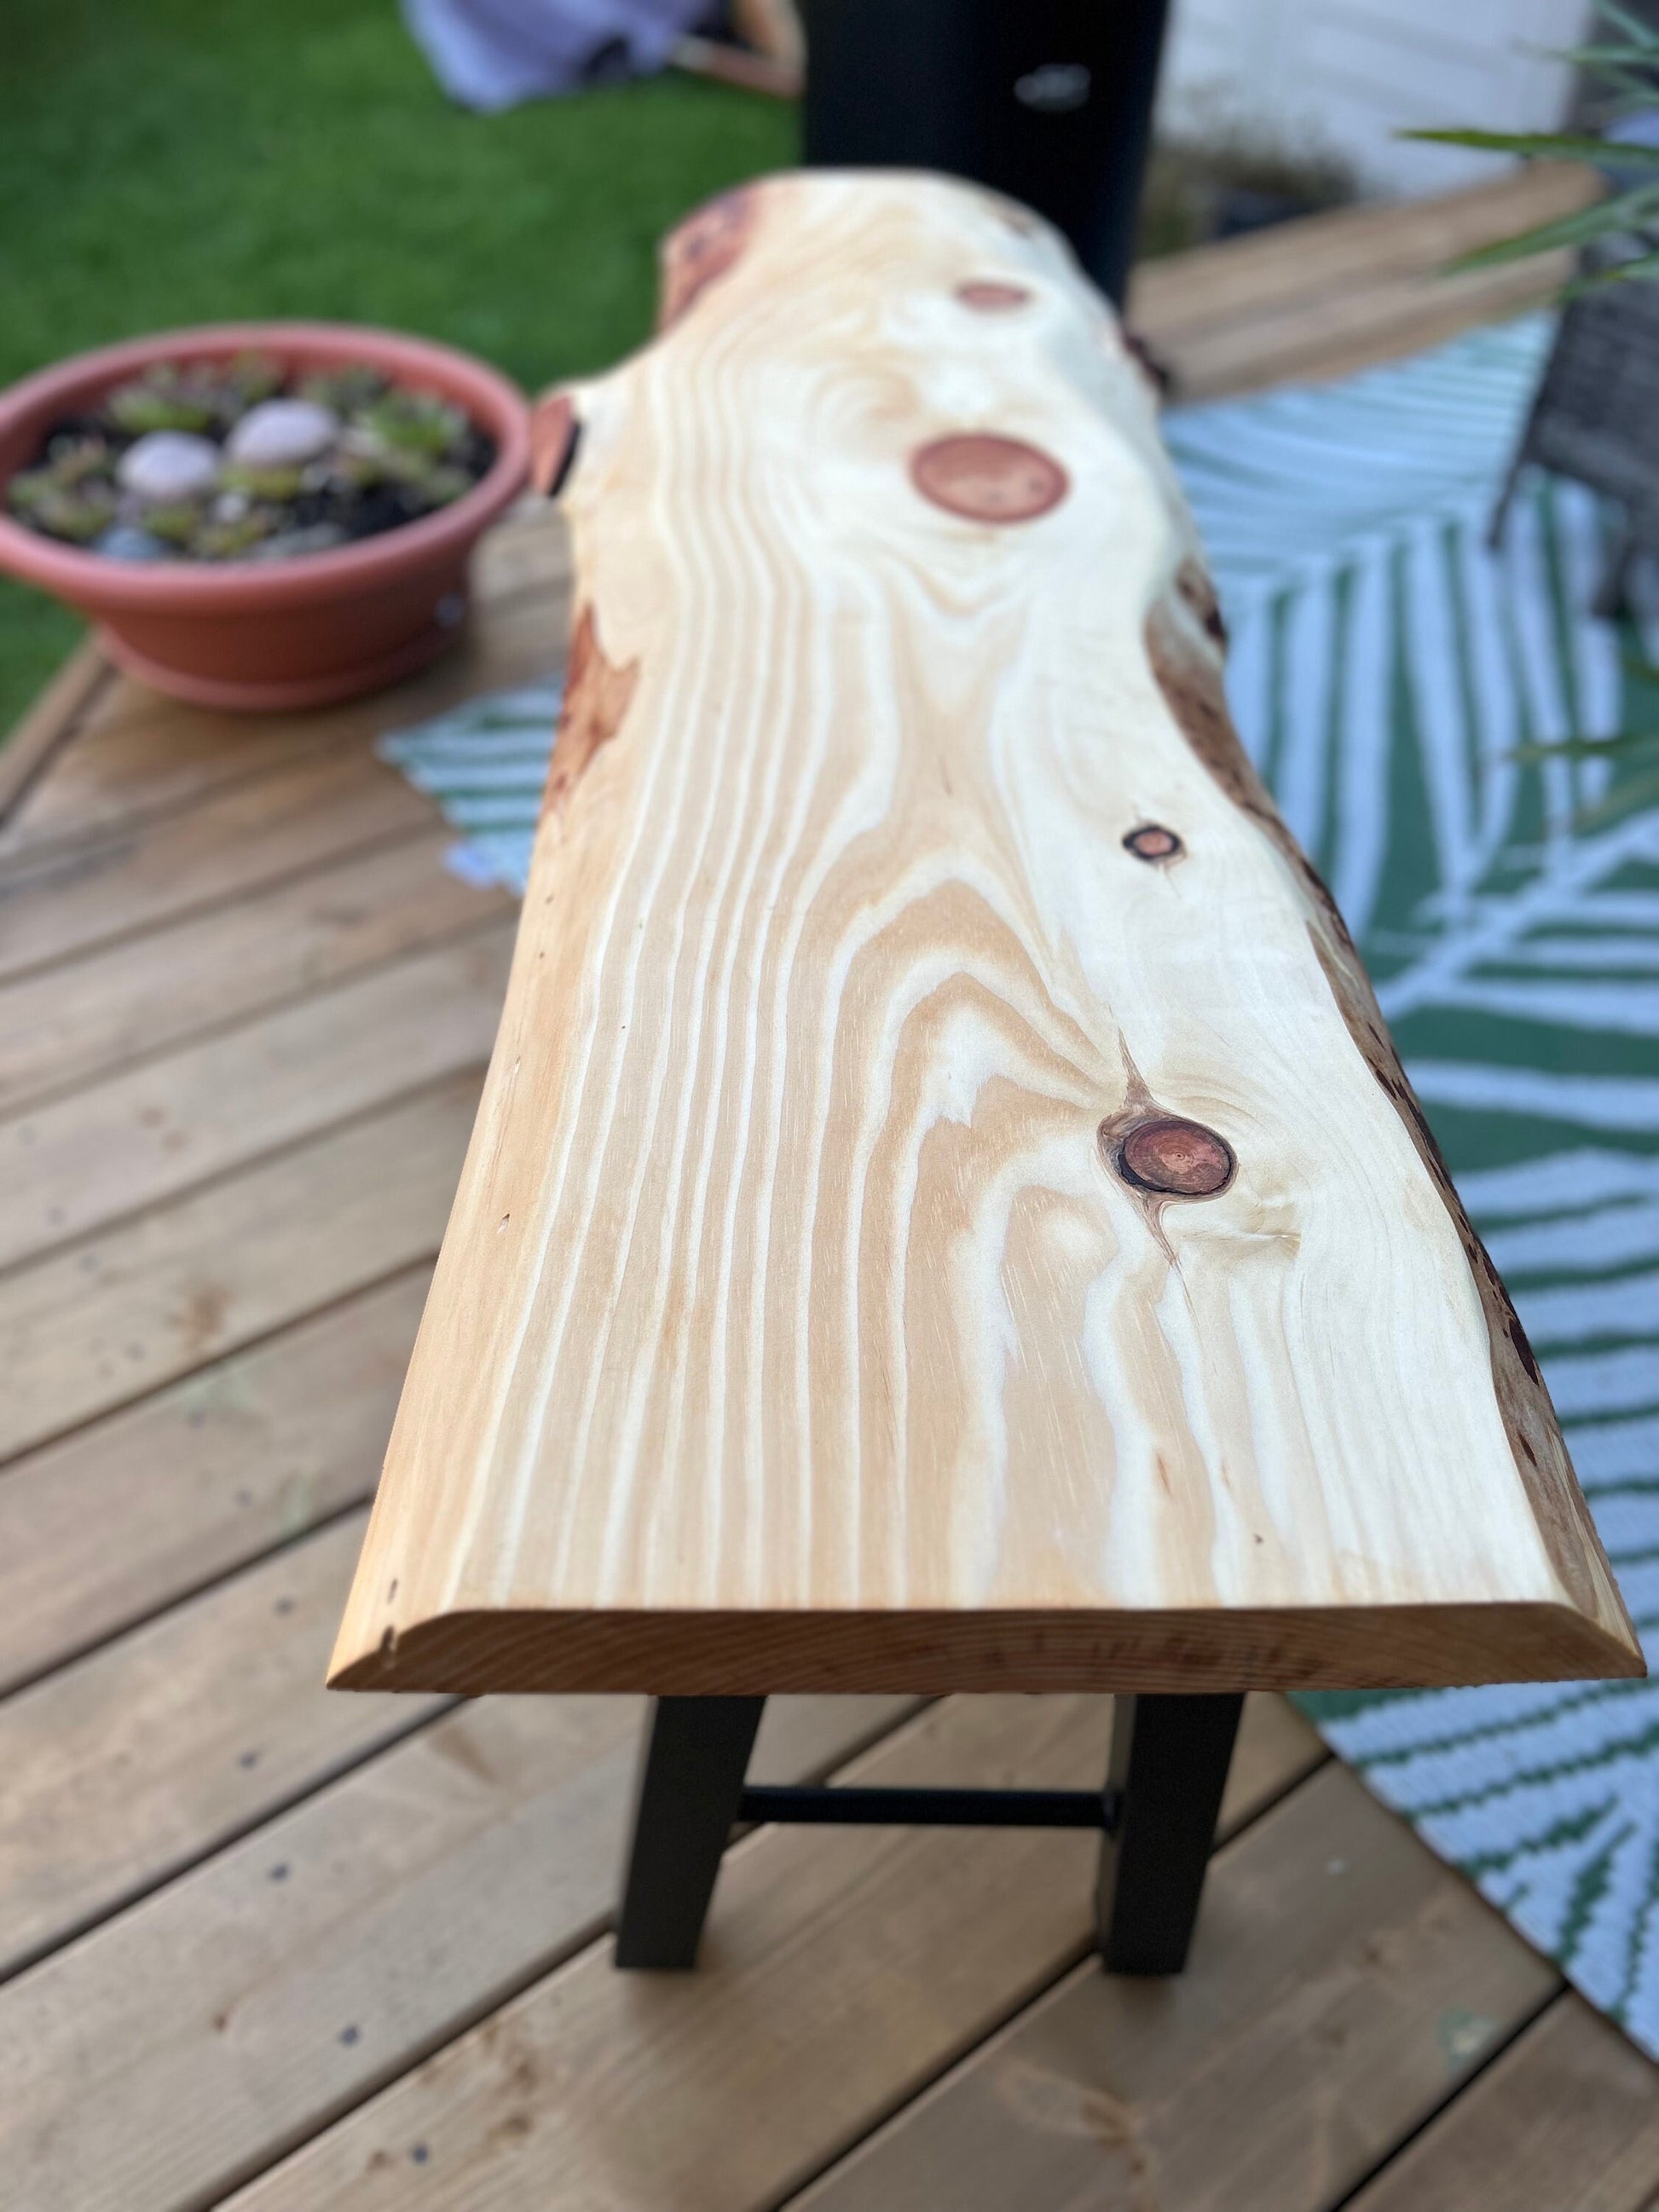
744 1653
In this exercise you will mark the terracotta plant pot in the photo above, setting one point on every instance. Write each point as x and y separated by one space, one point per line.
279 633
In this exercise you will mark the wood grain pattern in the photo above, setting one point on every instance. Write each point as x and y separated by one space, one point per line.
50 722
817 1311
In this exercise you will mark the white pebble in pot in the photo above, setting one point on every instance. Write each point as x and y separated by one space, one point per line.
282 434
165 465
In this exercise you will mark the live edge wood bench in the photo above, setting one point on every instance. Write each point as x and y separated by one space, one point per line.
946 1214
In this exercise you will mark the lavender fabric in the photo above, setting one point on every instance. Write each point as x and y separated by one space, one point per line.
492 54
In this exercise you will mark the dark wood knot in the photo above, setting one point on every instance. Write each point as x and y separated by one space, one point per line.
1176 1158
988 478
1153 841
992 298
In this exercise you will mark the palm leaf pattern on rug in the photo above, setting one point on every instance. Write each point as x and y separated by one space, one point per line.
1385 672
1386 667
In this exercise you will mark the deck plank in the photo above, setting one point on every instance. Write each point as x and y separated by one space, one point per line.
1344 1984
70 1167
1346 289
138 757
129 1516
1566 2120
75 1023
50 721
318 809
156 1750
846 1967
88 1329
293 1975
1322 339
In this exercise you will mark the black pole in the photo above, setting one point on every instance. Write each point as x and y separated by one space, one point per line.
1168 1770
1048 100
695 1755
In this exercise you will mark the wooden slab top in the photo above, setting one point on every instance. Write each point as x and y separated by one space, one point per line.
946 1212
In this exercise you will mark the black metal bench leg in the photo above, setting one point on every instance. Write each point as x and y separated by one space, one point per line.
1169 1768
696 1753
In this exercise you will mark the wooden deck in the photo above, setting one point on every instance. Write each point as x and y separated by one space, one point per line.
300 1952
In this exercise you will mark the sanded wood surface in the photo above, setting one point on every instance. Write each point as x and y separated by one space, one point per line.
266 1954
944 1210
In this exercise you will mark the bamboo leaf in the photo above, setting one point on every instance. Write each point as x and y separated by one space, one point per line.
1621 272
1627 798
1640 34
1543 144
1617 747
1607 218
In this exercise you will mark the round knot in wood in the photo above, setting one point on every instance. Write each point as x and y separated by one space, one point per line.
988 478
991 297
1177 1159
1153 841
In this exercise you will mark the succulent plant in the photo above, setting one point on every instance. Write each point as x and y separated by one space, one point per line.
317 537
217 539
164 397
262 483
415 421
228 461
445 482
73 459
252 377
343 390
77 513
176 522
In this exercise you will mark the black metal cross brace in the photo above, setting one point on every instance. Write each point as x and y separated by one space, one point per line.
1157 1815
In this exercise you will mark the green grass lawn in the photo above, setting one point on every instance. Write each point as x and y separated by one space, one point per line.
173 162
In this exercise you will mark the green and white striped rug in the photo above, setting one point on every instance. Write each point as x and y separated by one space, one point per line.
1385 669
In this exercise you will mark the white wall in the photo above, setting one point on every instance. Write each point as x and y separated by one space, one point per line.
1345 75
